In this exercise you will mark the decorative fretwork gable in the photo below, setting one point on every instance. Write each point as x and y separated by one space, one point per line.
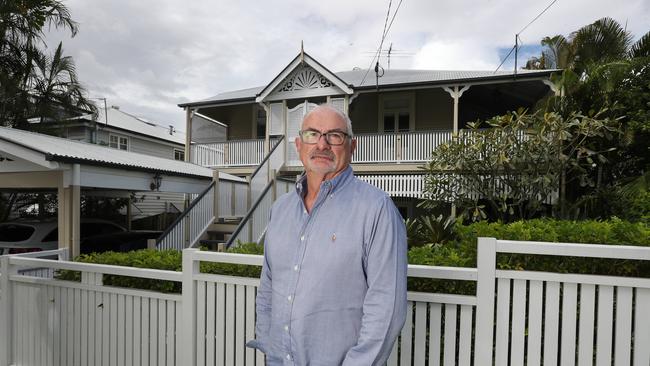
304 77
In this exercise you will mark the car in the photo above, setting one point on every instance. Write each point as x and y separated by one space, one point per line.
32 235
118 241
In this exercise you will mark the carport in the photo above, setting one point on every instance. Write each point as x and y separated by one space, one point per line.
31 160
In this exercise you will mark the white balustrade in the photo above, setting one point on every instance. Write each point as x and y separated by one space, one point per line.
229 153
397 185
398 147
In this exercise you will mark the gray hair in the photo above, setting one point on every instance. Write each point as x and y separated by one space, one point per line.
328 106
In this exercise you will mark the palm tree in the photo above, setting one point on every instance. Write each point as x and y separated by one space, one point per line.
55 88
556 55
601 42
30 81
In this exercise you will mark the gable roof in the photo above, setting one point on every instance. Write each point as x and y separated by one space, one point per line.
303 58
68 151
128 122
391 78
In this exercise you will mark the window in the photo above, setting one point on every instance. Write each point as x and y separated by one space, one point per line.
118 142
397 113
260 123
179 154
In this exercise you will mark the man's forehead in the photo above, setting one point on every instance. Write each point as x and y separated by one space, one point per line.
324 120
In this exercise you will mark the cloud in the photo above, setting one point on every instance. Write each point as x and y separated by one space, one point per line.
149 55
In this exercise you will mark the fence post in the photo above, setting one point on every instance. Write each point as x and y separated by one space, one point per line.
486 266
187 342
6 310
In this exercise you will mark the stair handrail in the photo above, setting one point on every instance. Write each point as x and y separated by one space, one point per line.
184 214
249 214
267 157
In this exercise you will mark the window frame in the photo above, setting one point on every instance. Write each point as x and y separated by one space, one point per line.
383 111
181 151
119 142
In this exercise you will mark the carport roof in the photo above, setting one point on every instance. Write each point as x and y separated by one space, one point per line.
68 151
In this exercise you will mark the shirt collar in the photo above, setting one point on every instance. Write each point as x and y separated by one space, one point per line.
330 184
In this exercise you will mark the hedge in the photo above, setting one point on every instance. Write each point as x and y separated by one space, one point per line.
460 252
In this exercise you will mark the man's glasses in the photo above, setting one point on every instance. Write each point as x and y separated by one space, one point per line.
333 138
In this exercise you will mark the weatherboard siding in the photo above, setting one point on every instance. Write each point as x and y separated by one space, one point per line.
154 203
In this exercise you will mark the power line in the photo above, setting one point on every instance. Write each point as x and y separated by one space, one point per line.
537 17
517 38
383 37
504 59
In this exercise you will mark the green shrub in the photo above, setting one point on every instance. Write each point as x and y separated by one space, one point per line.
169 260
460 252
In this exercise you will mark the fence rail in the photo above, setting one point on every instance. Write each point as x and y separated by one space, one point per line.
515 318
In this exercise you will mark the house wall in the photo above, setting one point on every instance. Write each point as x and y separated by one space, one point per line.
153 203
363 113
434 110
239 119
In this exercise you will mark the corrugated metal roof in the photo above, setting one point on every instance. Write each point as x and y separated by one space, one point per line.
129 122
64 150
390 77
396 77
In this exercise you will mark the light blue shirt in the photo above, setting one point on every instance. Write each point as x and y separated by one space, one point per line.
333 284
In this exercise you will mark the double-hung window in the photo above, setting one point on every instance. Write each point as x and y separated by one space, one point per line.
118 142
179 154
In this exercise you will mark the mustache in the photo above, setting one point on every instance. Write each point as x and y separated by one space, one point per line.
322 154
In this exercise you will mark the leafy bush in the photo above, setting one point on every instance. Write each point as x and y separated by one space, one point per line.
169 260
429 230
614 232
460 252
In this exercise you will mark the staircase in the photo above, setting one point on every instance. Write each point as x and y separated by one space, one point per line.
218 234
219 217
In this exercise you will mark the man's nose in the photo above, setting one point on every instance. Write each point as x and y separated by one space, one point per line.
322 143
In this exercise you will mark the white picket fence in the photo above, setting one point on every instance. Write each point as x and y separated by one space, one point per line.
515 318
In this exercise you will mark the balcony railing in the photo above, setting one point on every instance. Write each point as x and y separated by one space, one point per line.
398 147
371 148
230 153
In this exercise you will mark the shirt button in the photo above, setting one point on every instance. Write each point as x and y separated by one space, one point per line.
302 238
289 298
288 357
286 328
295 268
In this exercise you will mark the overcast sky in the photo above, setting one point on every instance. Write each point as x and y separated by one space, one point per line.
149 55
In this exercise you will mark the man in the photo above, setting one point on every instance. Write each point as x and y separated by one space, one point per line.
333 284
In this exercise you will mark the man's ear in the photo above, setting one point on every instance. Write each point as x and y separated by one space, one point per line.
353 145
298 142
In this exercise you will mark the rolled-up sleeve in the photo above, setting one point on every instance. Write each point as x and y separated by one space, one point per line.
384 306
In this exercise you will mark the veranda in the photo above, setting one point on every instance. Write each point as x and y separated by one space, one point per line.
515 317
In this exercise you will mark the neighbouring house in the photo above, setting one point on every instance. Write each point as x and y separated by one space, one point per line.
70 169
398 119
117 129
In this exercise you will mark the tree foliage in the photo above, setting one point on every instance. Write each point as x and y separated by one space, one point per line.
33 83
509 171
